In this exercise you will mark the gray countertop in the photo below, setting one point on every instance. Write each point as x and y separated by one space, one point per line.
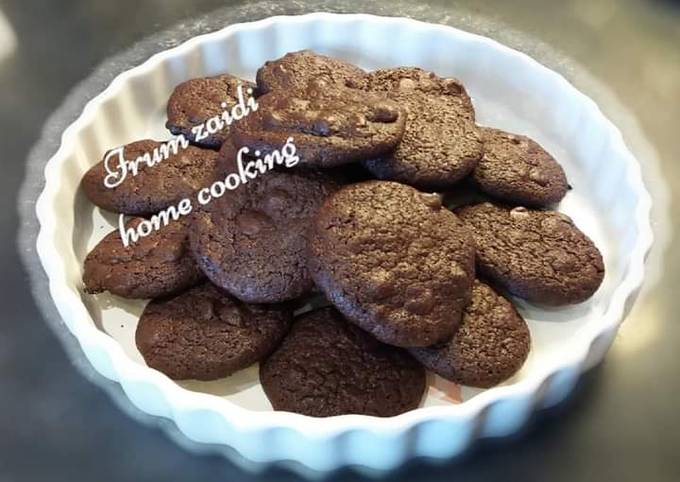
60 421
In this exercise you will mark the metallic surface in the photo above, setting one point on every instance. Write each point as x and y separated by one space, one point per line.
622 422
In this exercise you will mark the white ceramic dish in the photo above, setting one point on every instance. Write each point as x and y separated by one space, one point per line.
510 90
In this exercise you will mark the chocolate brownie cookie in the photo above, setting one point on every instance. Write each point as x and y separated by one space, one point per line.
489 346
394 261
295 69
537 255
345 174
252 240
195 101
206 334
155 187
412 79
156 265
329 125
441 143
326 367
516 169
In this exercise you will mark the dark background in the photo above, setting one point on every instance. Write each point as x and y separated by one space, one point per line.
621 424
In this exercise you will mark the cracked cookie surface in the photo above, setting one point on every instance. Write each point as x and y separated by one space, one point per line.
205 334
490 345
252 240
540 256
156 187
156 265
517 170
195 101
441 143
327 366
329 125
393 261
295 69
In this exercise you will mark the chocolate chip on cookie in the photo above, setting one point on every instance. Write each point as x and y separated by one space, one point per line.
490 345
516 169
441 143
326 366
156 265
295 69
155 187
537 255
195 101
329 125
205 334
252 241
394 261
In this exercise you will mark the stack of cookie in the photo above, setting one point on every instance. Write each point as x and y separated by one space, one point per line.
405 282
